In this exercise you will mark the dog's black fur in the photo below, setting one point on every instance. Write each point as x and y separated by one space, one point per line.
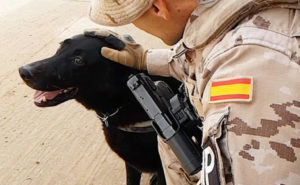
100 85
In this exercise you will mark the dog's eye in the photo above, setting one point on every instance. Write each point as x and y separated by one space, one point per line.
78 60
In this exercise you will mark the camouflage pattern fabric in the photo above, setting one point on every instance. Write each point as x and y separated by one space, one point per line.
252 126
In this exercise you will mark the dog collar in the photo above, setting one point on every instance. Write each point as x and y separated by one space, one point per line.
136 128
104 118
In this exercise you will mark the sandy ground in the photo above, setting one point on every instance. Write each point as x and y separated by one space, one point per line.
63 145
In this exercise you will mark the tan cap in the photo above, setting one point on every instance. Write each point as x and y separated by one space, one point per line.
117 12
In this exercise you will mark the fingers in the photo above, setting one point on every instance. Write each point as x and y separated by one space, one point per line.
122 57
109 36
115 42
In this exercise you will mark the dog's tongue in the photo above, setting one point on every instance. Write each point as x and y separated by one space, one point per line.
48 95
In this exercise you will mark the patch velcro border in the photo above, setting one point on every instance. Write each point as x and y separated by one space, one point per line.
237 89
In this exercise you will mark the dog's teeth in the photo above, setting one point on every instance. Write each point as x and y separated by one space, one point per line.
65 91
44 99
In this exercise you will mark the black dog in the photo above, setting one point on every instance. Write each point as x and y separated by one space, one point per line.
78 71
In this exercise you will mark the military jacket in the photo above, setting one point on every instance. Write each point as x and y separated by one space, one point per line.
244 81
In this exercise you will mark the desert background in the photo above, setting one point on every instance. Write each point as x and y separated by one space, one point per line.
62 145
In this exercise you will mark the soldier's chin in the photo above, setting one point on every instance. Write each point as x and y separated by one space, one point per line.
53 98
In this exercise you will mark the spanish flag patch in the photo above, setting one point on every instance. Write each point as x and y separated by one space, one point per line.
234 89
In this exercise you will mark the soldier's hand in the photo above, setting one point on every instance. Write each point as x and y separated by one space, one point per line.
126 51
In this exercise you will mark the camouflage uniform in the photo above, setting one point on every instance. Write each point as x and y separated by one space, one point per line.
246 85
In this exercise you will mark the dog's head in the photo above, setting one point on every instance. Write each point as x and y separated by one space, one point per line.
77 64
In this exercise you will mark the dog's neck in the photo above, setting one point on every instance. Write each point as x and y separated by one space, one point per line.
122 117
122 110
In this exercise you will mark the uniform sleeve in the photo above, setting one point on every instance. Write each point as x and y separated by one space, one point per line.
162 62
252 96
158 61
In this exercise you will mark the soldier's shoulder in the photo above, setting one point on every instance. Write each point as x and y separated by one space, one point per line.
275 29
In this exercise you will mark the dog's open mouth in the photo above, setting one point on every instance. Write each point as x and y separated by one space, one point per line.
52 98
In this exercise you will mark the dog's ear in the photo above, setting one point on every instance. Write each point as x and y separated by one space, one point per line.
115 42
108 36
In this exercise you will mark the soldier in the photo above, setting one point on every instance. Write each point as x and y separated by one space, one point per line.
240 61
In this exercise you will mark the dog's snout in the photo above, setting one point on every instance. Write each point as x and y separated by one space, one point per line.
25 73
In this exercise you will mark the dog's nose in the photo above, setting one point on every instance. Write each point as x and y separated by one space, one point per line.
25 73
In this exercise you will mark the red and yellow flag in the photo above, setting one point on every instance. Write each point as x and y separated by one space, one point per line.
236 89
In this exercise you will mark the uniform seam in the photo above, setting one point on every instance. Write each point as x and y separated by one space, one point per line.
255 42
245 37
268 30
287 53
208 61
